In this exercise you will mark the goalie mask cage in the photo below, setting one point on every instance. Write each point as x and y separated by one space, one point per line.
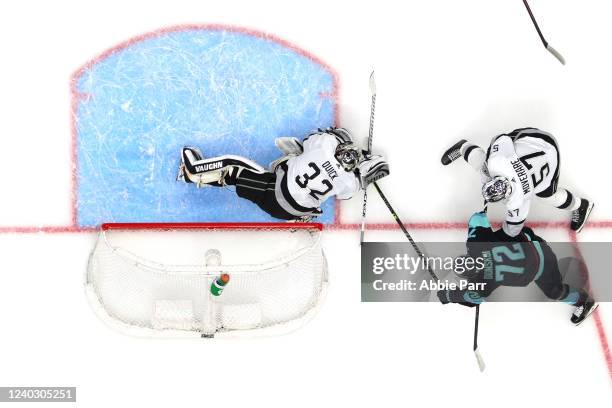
154 280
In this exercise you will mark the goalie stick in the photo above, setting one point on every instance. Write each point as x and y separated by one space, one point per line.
380 193
549 47
368 151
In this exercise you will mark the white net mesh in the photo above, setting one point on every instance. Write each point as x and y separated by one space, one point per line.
156 281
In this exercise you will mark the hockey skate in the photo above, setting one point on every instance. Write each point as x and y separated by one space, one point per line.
580 216
583 311
453 153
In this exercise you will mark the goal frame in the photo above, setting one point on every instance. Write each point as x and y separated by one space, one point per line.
208 225
129 329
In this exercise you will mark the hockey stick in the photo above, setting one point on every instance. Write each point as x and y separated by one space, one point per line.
479 358
549 47
404 230
370 134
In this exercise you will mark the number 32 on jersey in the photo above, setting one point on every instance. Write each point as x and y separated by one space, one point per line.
304 179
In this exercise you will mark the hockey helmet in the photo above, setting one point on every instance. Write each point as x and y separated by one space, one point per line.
348 156
496 189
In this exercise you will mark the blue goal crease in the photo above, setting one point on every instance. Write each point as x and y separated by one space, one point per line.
222 91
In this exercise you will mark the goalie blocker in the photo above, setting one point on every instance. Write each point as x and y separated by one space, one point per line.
327 163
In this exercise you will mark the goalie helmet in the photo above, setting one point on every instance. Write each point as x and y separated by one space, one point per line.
342 134
496 189
348 156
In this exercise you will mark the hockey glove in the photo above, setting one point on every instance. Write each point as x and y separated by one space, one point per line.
371 169
289 145
444 297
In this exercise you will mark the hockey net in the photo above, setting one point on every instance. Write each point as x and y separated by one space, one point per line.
157 279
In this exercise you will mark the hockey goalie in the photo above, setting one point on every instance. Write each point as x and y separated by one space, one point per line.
516 262
326 163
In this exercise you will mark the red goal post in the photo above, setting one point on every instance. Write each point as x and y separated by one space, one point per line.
210 225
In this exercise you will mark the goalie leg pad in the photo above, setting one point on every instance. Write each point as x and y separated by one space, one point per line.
212 171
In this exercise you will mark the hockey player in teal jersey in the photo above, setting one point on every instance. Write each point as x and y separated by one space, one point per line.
517 262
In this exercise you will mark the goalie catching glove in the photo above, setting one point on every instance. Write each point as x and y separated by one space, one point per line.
371 169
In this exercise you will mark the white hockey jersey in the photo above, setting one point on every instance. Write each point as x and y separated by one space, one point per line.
529 158
304 182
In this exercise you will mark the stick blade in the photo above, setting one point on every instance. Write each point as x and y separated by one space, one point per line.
372 83
479 360
556 54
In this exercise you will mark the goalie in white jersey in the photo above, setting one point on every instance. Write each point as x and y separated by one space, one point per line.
327 163
516 167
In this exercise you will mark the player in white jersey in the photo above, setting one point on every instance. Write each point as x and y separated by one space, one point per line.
516 167
327 163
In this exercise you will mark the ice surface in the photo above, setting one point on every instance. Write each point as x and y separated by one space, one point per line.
445 70
225 92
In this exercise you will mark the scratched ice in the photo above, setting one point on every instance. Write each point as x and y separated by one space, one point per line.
225 92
